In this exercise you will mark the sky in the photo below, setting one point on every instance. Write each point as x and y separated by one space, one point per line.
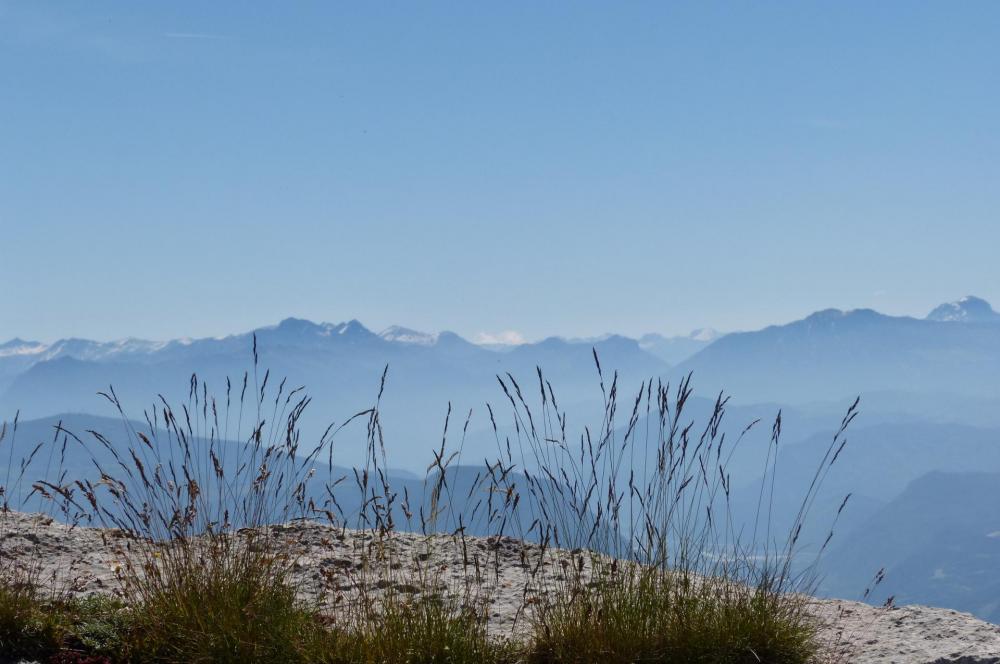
517 168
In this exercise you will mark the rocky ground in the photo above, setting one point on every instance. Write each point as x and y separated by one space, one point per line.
511 575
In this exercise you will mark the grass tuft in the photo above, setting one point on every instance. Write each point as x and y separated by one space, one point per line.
219 601
426 631
653 616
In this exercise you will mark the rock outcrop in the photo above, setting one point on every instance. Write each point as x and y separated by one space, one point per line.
85 560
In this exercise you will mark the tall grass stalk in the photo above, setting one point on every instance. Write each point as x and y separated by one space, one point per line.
637 555
671 575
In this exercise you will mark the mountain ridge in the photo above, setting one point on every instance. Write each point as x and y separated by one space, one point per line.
833 353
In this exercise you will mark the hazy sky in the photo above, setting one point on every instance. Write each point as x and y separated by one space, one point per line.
199 168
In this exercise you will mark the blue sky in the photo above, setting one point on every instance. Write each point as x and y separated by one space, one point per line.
196 169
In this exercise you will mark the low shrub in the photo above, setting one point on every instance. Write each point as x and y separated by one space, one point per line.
28 625
95 628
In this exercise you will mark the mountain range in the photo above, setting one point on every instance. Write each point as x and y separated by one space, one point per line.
930 412
908 365
829 355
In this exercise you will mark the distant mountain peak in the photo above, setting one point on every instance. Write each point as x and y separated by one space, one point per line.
849 316
18 346
827 314
704 334
677 349
451 339
969 309
300 330
18 342
352 327
300 326
616 340
404 335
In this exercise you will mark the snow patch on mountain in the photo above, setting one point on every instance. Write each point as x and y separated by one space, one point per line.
502 339
404 335
704 334
80 349
19 347
969 309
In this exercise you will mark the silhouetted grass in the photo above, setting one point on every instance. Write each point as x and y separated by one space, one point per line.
659 571
670 577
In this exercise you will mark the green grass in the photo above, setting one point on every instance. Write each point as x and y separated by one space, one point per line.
222 600
28 625
427 631
666 618
230 600
34 626
221 612
646 617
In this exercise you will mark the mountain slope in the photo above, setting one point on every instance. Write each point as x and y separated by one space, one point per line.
877 463
969 309
834 354
939 542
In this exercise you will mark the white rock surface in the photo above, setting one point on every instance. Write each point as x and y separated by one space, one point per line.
85 560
